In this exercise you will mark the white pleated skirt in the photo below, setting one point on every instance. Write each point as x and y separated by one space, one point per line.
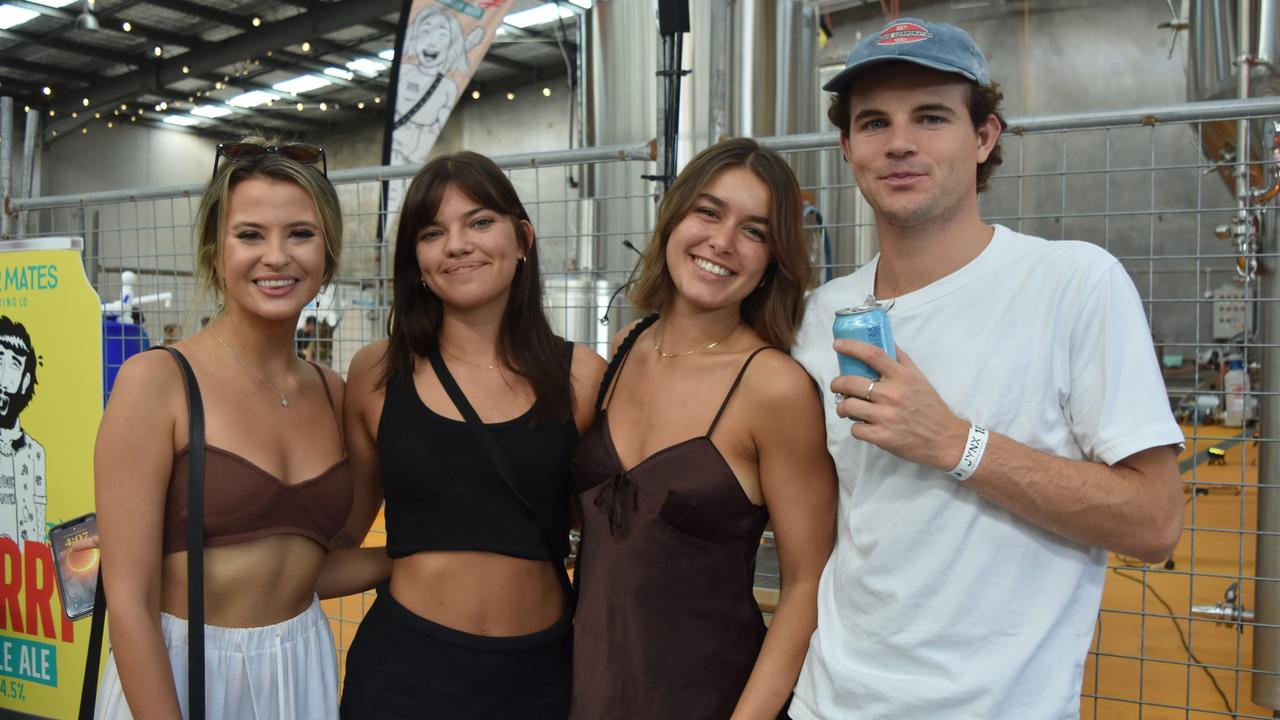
288 670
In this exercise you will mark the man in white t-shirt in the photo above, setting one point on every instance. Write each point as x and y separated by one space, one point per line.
1021 433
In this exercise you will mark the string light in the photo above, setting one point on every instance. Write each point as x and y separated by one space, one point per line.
26 108
47 90
511 96
257 22
126 26
55 133
377 99
97 116
324 107
300 106
475 94
360 105
50 113
306 46
546 92
84 131
133 118
157 51
74 114
123 106
186 70
85 102
109 125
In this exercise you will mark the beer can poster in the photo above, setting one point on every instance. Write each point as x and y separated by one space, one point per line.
50 405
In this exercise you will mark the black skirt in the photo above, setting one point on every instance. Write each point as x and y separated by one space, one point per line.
401 665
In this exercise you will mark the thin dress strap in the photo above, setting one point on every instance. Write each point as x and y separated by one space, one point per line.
334 408
733 388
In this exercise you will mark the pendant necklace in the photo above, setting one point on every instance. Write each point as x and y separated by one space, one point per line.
284 401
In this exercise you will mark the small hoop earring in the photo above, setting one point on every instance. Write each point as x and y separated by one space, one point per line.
520 259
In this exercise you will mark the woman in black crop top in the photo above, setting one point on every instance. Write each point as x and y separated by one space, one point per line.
277 488
710 431
474 622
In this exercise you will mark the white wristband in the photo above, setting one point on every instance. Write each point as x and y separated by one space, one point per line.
974 447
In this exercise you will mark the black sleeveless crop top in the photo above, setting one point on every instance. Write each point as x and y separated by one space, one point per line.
444 493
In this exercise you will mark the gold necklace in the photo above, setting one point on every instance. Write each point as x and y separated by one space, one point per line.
657 346
284 401
469 362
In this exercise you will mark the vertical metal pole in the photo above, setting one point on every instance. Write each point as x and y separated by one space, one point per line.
784 30
664 52
721 17
28 163
1266 637
6 162
1269 32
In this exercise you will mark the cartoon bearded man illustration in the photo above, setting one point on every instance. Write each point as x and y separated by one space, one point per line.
22 462
433 48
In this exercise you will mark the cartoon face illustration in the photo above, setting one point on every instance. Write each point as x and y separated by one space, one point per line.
17 371
436 42
433 42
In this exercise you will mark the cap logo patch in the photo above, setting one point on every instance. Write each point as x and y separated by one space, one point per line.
902 33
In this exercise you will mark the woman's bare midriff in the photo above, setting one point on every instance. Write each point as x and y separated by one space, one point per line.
251 584
479 593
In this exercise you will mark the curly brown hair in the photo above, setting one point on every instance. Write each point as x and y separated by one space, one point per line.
982 102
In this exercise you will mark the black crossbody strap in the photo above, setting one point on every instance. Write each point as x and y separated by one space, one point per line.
499 460
89 687
195 540
618 357
195 566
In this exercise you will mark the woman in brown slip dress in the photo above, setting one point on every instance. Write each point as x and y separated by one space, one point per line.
706 431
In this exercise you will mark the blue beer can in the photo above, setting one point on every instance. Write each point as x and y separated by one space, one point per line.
867 323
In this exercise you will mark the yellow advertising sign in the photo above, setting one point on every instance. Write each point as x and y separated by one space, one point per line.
50 405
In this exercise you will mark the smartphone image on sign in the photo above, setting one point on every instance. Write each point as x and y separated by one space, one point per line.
77 569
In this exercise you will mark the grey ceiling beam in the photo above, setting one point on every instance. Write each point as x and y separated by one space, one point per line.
150 78
53 71
497 58
204 12
71 47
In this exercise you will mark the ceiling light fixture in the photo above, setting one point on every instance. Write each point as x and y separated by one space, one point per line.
86 19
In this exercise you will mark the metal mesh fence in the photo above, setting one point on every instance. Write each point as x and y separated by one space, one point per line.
1136 183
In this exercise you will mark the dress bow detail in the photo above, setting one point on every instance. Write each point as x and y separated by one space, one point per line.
613 495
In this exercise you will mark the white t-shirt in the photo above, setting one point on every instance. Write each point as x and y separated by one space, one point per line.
936 603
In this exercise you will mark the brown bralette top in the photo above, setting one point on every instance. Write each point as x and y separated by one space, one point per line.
243 502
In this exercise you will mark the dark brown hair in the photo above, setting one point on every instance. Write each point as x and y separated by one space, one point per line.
982 101
526 344
773 310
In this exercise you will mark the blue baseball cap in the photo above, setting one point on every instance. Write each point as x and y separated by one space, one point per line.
934 45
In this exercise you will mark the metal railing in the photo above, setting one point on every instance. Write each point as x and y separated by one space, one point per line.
1135 182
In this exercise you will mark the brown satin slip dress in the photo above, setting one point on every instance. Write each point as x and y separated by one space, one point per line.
667 625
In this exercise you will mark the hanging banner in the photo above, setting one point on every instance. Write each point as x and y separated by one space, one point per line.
438 48
50 405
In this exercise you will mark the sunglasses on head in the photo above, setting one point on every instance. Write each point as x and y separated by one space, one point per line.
297 152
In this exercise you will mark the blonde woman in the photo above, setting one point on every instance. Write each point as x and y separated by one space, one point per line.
278 491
